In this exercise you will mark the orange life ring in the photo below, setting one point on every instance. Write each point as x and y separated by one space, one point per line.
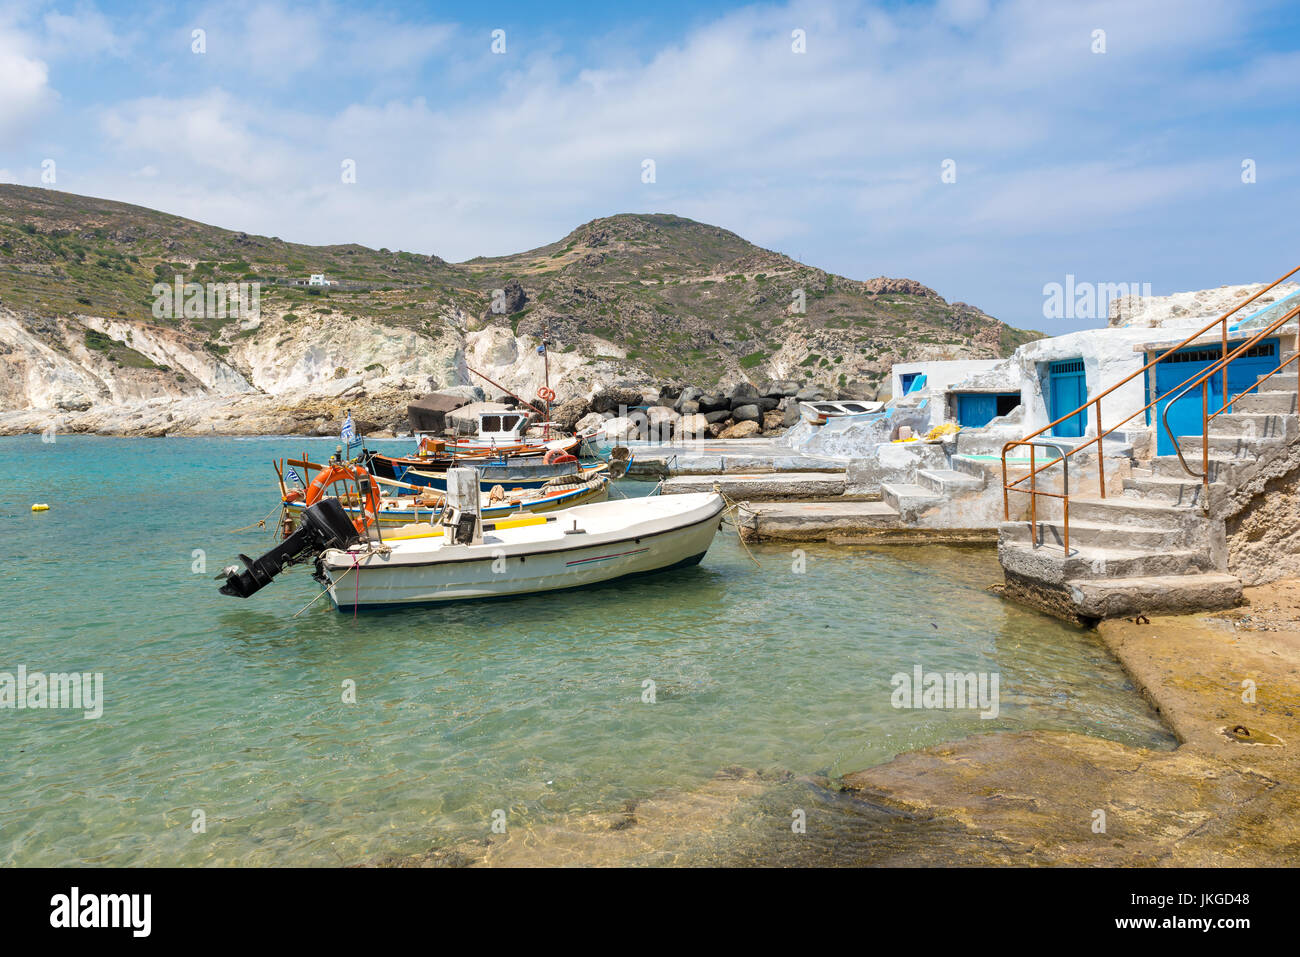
342 473
557 457
545 394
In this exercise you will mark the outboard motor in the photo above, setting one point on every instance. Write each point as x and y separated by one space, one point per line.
462 515
324 525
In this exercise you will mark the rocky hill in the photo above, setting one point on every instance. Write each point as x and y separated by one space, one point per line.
641 300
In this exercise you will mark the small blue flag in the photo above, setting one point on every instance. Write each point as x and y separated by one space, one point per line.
293 474
348 435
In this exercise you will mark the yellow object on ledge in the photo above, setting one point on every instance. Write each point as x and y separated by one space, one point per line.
40 507
942 431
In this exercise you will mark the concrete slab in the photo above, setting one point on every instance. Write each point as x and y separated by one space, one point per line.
811 521
761 487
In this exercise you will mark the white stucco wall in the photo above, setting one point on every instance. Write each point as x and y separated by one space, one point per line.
1108 356
939 378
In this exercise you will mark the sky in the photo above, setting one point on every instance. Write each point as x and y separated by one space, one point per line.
987 149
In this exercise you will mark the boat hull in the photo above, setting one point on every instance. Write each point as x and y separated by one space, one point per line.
472 572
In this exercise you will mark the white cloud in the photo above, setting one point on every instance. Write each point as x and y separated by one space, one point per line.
24 80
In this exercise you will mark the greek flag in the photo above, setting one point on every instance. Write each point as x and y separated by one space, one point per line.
293 474
348 435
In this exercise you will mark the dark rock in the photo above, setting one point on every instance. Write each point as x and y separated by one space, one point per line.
713 403
515 296
811 395
721 415
742 390
613 400
791 416
746 413
780 388
766 403
668 394
688 407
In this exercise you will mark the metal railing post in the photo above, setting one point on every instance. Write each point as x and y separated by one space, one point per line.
1205 434
1033 499
1101 468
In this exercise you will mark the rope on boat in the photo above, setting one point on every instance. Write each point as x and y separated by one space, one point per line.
261 524
324 590
734 507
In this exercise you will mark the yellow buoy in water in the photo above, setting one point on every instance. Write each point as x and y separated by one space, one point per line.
41 507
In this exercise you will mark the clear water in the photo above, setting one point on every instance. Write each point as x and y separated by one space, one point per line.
532 705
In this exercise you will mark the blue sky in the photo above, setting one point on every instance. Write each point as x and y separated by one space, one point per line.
1115 166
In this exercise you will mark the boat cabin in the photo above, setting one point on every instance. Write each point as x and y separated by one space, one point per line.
502 428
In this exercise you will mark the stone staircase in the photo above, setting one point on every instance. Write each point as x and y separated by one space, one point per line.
1156 543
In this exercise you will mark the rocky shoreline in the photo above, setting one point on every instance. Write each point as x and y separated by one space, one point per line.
379 409
1227 796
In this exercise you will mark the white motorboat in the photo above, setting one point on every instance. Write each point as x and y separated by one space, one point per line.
579 546
464 556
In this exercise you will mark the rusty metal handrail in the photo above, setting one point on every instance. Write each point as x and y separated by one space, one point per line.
1033 492
1095 401
1203 379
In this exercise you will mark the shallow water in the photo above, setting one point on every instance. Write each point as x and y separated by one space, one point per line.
532 706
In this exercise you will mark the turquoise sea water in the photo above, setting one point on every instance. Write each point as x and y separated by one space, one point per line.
532 705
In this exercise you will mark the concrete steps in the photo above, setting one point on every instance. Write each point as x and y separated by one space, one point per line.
1150 549
1182 492
948 481
907 498
1162 594
1254 425
1225 446
1168 466
1049 565
1095 535
1275 402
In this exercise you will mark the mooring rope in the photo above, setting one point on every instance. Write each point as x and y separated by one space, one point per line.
734 508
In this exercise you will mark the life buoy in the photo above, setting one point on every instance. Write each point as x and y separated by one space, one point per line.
293 495
558 457
545 394
343 473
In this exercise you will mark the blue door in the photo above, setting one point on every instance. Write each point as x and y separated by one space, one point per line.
1171 373
976 409
1067 389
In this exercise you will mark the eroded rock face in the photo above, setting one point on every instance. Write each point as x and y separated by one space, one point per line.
907 287
566 415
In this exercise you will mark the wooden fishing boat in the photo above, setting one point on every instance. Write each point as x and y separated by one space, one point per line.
401 504
464 556
819 413
523 471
